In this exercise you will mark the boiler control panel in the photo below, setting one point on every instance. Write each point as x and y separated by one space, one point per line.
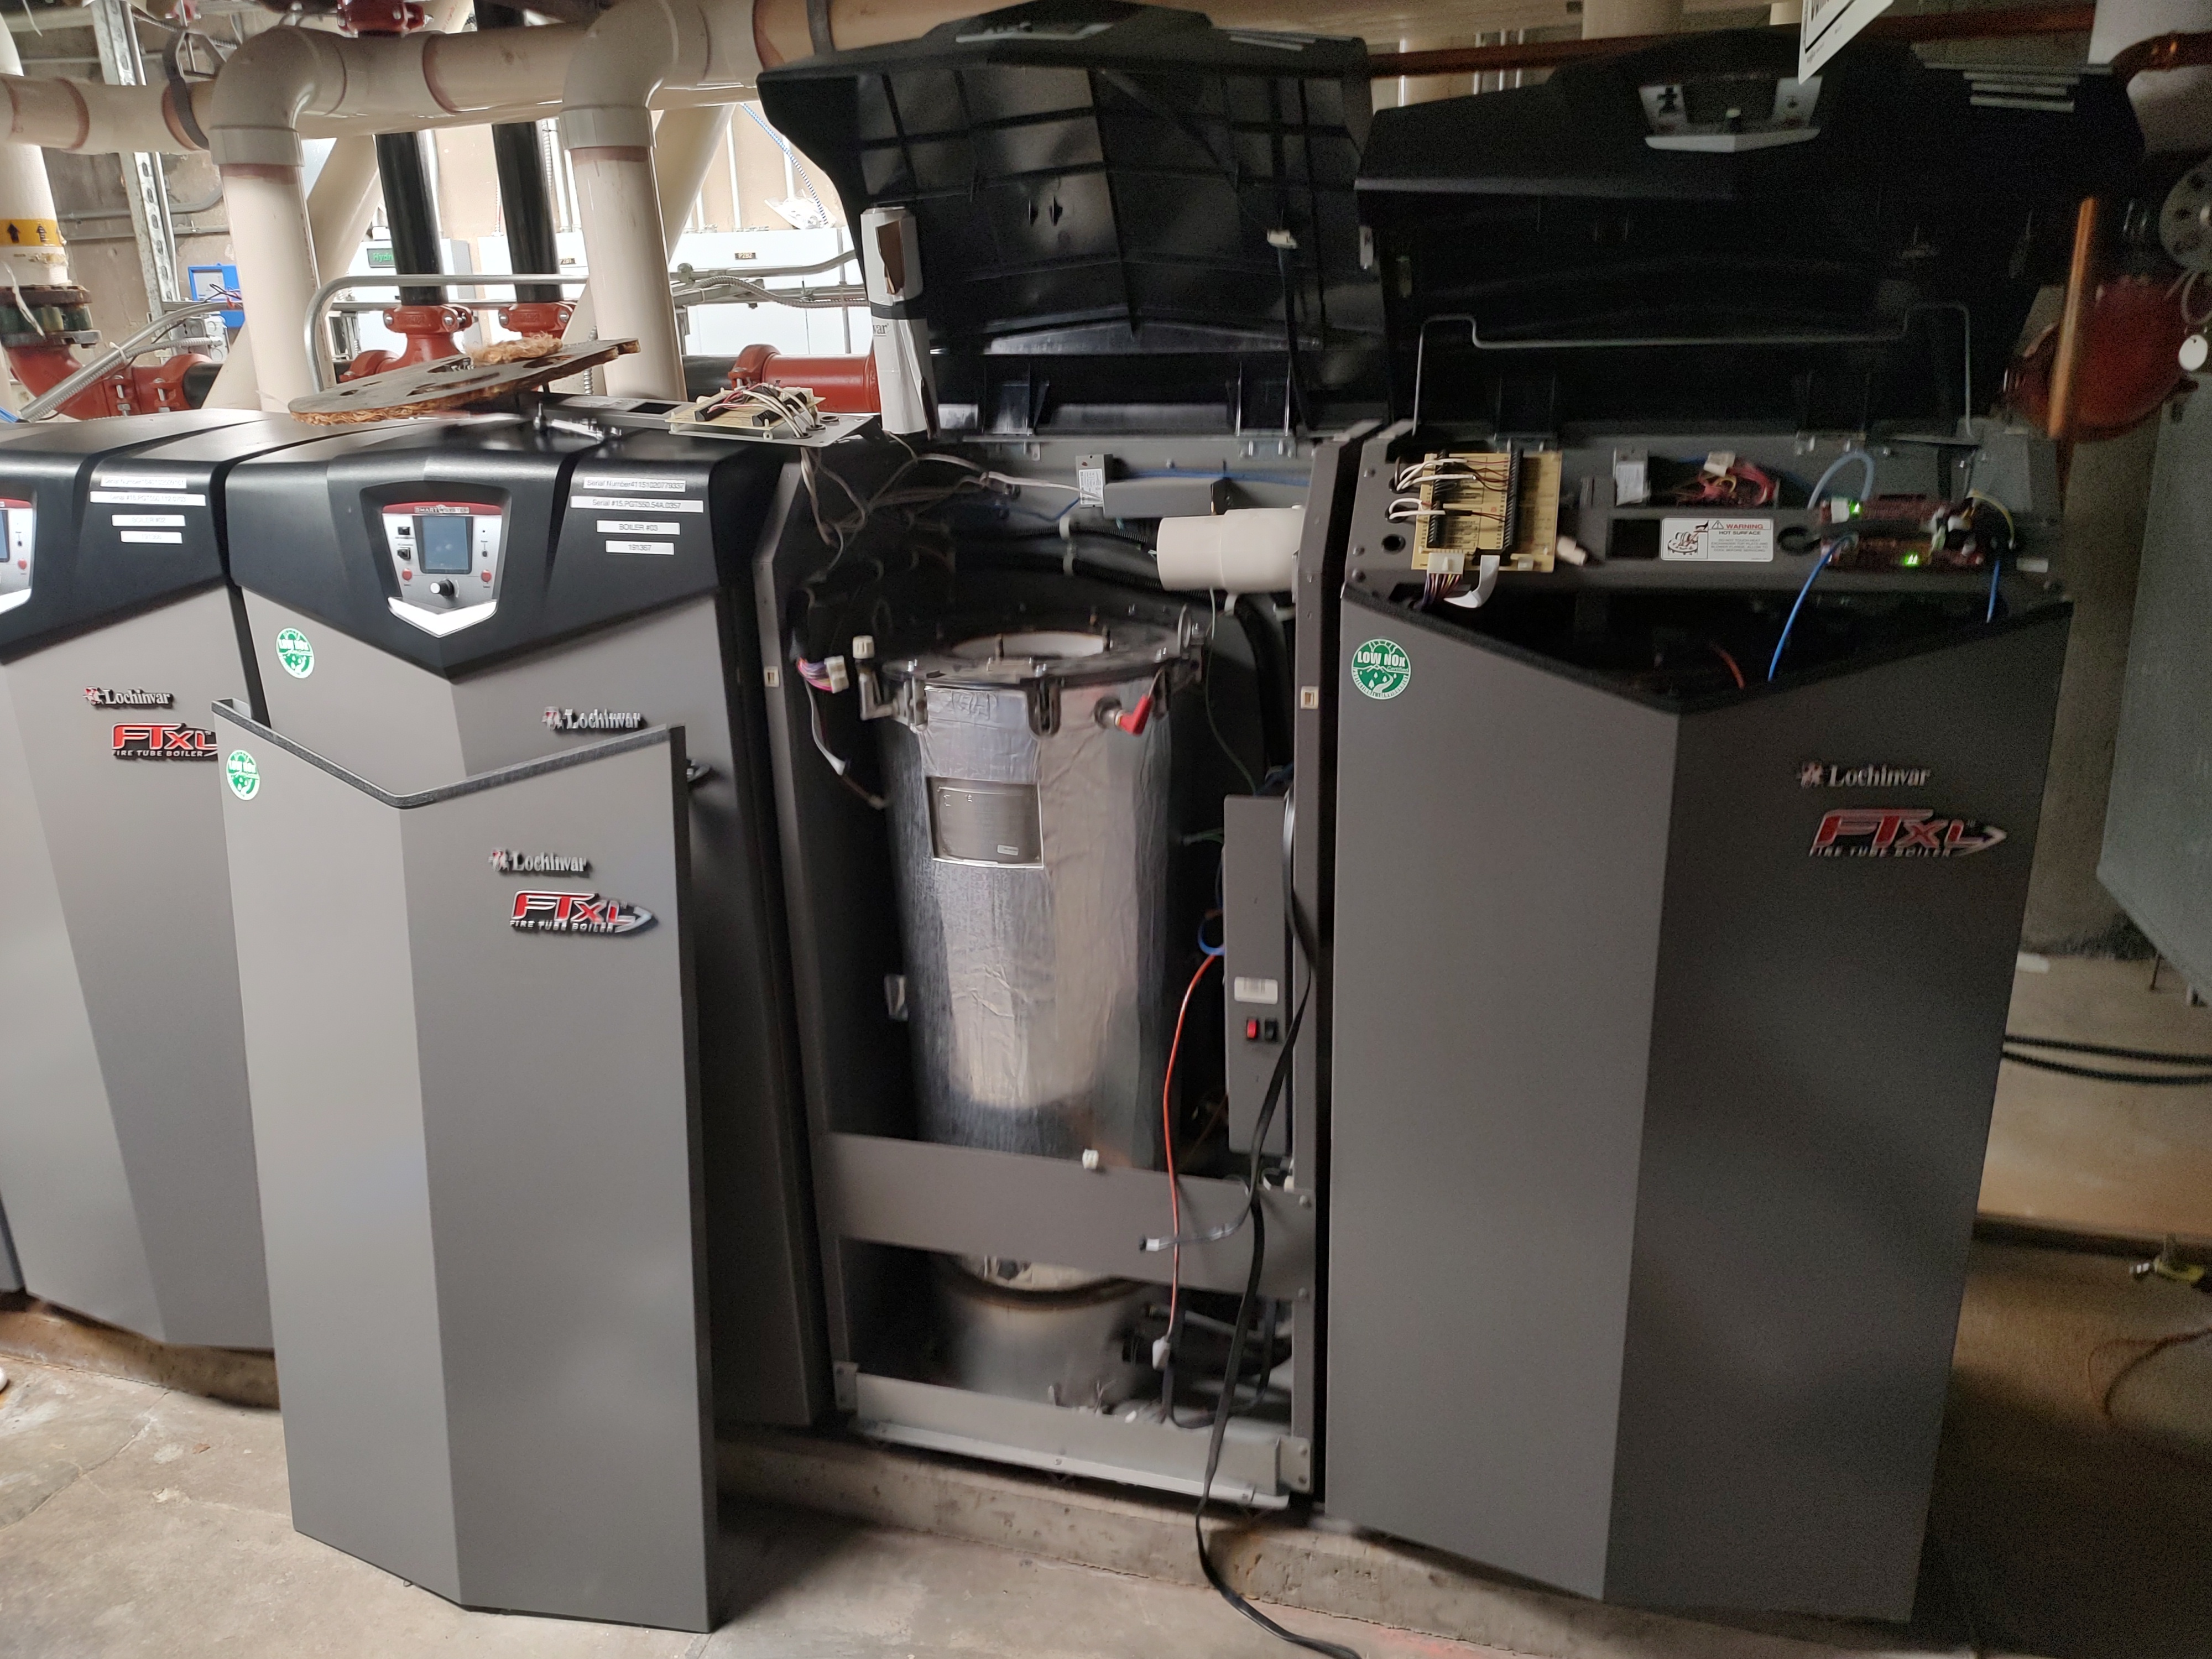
20 538
445 558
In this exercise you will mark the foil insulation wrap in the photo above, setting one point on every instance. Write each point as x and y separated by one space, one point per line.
1030 838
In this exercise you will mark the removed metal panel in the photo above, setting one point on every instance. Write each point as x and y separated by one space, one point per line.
476 1102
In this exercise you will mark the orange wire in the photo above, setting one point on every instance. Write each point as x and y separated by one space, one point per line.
1167 1139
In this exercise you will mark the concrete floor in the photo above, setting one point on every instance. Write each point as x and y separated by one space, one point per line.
137 1523
2102 1157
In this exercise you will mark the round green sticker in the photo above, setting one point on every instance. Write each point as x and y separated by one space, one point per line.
294 651
245 777
1382 669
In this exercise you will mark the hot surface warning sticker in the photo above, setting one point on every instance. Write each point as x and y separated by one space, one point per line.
1718 541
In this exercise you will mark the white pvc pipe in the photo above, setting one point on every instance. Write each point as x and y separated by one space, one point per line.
26 195
1609 20
276 270
620 211
1248 550
339 208
683 147
2173 106
630 53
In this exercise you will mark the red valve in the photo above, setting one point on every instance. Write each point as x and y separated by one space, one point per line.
1137 719
380 16
528 317
430 331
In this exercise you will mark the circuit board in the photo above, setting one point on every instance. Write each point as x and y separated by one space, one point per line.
1470 509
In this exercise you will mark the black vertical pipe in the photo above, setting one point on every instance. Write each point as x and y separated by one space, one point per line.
525 201
411 211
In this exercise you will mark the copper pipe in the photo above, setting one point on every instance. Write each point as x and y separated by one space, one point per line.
2066 361
1549 54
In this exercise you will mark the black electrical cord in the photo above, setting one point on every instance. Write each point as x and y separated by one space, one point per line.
1224 1407
2152 1080
1309 945
2163 1056
2103 1074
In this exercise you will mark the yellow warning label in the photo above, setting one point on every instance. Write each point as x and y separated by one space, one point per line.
33 232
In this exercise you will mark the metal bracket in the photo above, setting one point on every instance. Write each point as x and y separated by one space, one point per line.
1294 1462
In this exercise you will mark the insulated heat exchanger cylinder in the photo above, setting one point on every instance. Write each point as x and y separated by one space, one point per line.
1028 775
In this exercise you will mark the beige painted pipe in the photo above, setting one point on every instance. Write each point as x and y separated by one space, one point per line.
634 49
1608 20
27 199
684 145
339 208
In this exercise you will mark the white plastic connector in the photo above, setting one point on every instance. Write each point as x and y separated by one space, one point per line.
1567 549
864 647
1445 563
1090 1159
840 679
1159 1353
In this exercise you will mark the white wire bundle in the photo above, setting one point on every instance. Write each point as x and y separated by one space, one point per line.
793 406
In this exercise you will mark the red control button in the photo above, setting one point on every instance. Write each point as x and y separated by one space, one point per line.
1251 1031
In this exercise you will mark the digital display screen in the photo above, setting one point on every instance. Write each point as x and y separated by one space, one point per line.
442 544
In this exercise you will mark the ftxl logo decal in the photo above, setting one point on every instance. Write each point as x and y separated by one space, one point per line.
593 720
1900 832
575 913
164 743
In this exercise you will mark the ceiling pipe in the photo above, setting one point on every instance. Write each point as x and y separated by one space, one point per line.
684 146
607 129
339 206
1614 20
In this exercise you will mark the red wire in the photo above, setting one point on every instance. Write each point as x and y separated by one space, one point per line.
1167 1137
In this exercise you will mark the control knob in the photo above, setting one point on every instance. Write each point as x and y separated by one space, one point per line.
442 588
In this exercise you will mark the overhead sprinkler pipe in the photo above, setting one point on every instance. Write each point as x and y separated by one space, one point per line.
630 53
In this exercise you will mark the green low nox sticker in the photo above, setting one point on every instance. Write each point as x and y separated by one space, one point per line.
294 651
1382 669
243 775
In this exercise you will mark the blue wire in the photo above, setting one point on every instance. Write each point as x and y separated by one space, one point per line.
1996 569
1827 554
8 417
1848 458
